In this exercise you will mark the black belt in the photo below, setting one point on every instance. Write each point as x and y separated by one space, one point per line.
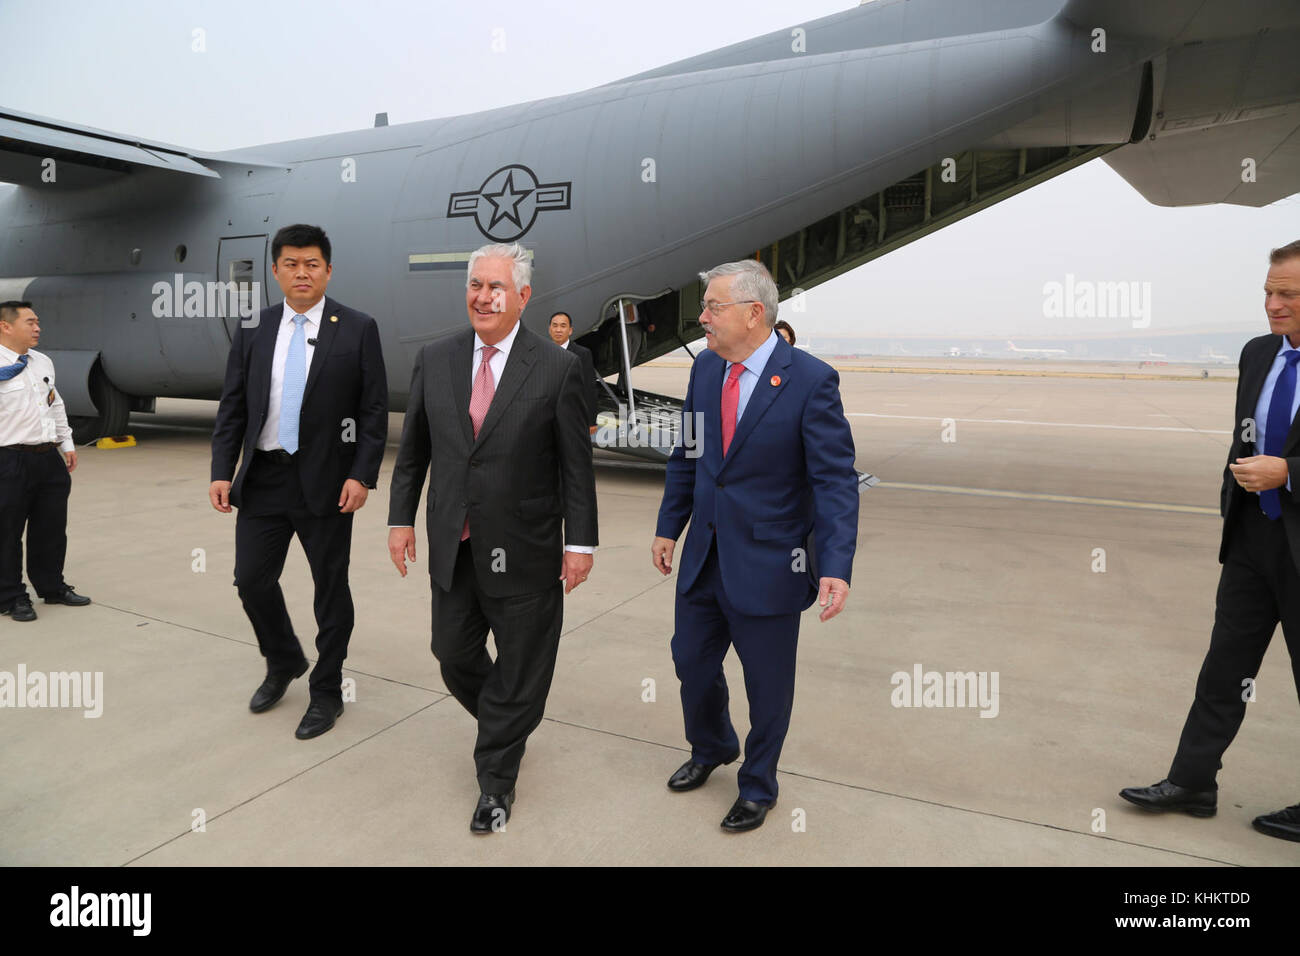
276 455
37 448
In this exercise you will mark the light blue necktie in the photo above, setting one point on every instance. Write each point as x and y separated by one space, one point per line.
9 371
295 381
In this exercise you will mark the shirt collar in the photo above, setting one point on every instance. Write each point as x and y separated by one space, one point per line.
313 314
565 346
1286 347
9 356
504 345
757 360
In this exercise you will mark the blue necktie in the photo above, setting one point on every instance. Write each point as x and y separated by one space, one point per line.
9 371
295 381
1279 424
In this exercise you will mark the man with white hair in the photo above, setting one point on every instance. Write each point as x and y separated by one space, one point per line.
772 502
496 416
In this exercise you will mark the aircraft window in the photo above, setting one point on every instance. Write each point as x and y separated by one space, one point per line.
241 277
181 252
135 257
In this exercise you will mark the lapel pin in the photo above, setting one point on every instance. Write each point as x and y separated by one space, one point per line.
334 318
776 380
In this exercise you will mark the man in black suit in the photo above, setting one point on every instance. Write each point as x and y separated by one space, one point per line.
561 329
498 413
1260 553
306 402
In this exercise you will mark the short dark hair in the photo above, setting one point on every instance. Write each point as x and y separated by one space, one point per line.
300 236
783 324
563 313
9 310
1282 253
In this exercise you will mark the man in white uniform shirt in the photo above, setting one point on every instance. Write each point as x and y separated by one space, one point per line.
36 457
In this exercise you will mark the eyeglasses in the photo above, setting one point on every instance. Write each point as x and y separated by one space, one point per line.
715 308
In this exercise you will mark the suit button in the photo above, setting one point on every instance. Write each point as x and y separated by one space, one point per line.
721 485
710 525
474 463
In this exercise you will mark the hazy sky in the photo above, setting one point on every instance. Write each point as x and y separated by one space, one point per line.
275 70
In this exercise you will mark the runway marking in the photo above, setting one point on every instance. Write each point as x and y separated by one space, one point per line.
1055 499
1031 373
1021 421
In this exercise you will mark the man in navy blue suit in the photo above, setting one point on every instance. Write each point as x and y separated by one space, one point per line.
772 499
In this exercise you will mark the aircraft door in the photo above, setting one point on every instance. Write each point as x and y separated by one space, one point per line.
241 263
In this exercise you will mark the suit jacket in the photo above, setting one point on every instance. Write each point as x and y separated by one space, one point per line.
1256 359
345 383
529 471
590 390
787 483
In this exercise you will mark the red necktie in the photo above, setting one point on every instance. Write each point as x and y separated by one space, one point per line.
730 402
479 401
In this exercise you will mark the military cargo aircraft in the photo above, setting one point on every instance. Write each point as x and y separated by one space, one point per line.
848 136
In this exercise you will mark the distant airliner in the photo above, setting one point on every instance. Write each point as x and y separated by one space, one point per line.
1034 353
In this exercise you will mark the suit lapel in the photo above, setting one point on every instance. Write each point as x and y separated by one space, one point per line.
263 354
1255 374
329 328
709 401
763 396
460 360
518 364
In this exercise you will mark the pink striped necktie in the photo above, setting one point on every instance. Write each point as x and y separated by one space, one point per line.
480 400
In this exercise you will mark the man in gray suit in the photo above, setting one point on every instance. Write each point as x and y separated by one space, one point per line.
496 416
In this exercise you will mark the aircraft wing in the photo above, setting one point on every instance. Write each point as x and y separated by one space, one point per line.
34 148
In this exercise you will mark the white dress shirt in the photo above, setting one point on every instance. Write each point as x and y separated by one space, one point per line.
31 410
754 366
269 439
498 363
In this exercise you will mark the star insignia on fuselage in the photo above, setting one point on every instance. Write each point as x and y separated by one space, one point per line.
507 204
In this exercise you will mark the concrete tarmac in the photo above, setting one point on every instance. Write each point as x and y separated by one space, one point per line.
1059 533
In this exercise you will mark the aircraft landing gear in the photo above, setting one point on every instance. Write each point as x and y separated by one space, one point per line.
113 406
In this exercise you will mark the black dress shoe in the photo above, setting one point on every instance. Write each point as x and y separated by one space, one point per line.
1284 824
744 815
319 718
1169 796
273 688
691 774
21 610
69 597
492 812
